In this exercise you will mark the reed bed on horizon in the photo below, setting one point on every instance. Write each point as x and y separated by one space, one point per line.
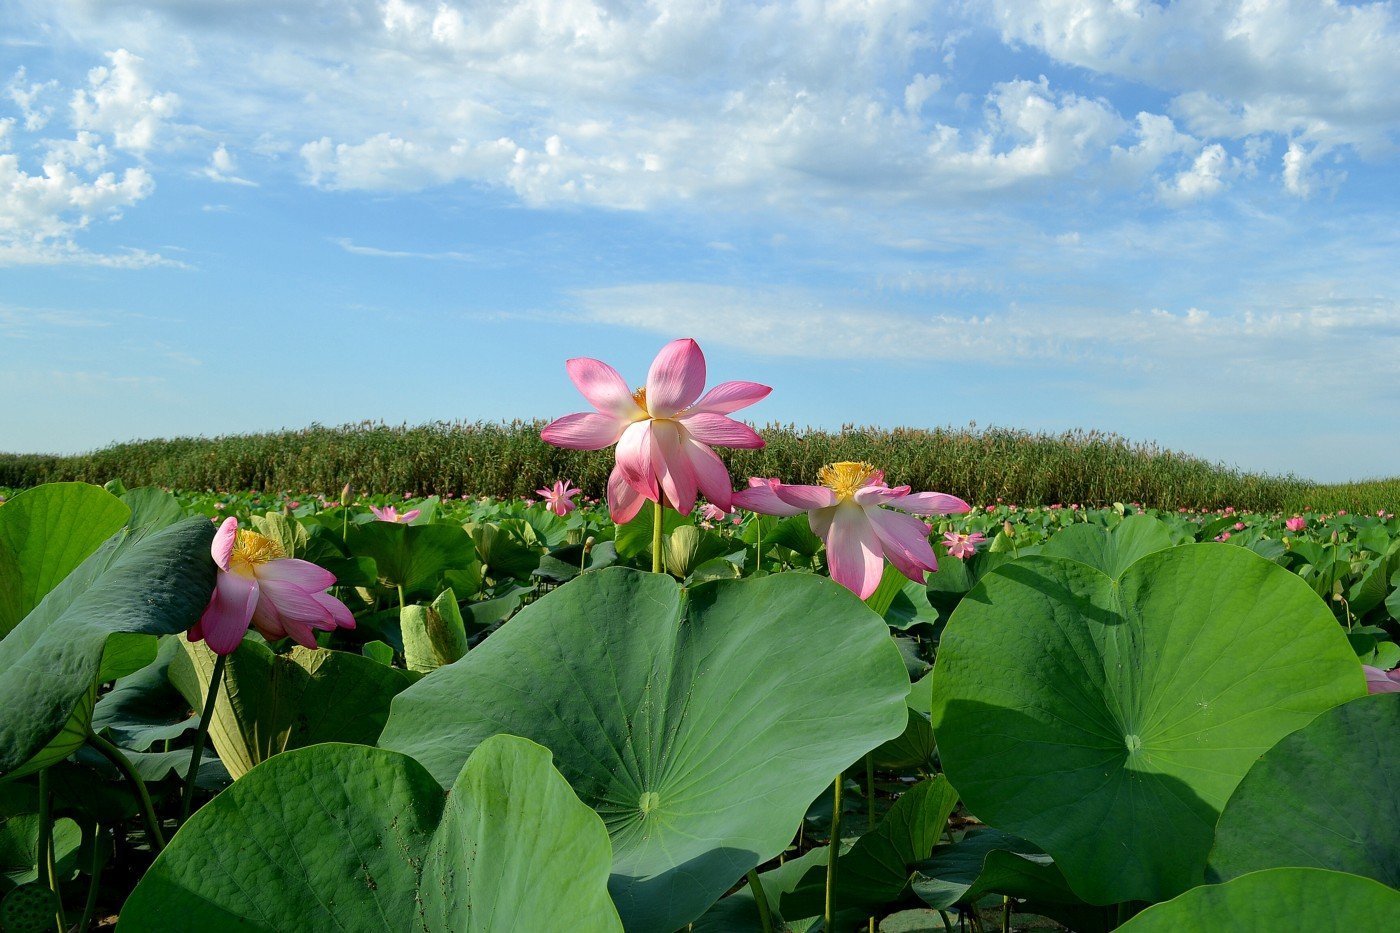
509 459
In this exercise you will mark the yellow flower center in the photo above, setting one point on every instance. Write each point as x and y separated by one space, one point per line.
251 549
846 477
640 397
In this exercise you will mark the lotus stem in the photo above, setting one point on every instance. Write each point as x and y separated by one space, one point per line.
123 764
833 852
870 803
198 751
656 529
44 855
1005 914
95 869
765 913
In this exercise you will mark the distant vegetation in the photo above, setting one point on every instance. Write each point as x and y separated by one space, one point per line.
496 459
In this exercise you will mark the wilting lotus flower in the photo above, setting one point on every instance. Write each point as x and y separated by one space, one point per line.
281 596
391 514
962 546
1379 681
663 431
846 511
559 498
1296 523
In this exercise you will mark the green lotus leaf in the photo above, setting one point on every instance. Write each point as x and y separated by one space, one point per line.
1327 796
433 635
1108 722
1112 550
90 626
1276 899
270 703
348 837
699 726
412 556
48 531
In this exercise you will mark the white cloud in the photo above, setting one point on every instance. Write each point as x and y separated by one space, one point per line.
223 168
354 248
119 102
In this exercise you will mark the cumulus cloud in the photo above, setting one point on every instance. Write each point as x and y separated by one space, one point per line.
223 168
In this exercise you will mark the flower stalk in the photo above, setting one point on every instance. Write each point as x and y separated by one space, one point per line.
198 751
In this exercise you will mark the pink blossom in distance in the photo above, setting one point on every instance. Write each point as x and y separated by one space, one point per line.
1296 523
847 511
1379 681
257 583
559 498
391 514
663 431
962 546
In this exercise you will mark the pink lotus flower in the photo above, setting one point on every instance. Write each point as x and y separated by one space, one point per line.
281 596
1296 523
663 431
1239 526
846 511
712 513
1379 681
391 514
559 498
1223 536
962 546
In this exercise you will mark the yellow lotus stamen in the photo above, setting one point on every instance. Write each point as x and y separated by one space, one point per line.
846 477
251 549
640 397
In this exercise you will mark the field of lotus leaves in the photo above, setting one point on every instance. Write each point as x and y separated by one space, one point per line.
761 710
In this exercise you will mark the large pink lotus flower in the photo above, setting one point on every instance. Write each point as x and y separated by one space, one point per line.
559 498
663 431
281 596
1379 681
847 512
1296 523
391 514
962 546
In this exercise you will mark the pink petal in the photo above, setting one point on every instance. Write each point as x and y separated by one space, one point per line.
820 521
340 613
1379 681
410 515
905 542
675 379
806 498
604 388
932 503
711 475
877 493
301 633
761 498
224 539
624 502
301 573
267 621
292 602
853 552
635 456
731 396
588 430
674 472
230 609
720 430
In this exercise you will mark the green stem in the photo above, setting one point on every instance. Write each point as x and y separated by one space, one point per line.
1005 914
401 600
870 802
95 869
198 751
44 856
833 852
765 913
656 528
758 548
123 764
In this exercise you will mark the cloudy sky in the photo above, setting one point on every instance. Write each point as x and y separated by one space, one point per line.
1178 221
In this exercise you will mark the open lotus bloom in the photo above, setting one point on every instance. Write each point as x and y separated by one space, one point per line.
1379 681
391 514
257 583
663 431
962 546
854 512
559 498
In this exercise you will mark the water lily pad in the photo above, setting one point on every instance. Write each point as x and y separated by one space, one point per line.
700 727
346 837
1327 796
1109 722
1112 550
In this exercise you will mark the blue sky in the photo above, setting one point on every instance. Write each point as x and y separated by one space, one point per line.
1174 221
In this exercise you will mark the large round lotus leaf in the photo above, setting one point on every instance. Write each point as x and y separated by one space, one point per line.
90 627
1327 796
1112 550
1275 900
48 531
348 837
1109 722
700 725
